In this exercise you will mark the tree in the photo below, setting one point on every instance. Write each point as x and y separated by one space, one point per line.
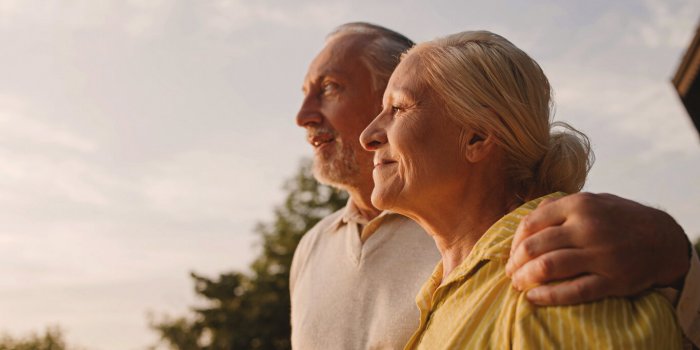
52 339
251 310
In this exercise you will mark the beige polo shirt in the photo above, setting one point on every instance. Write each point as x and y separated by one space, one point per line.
352 295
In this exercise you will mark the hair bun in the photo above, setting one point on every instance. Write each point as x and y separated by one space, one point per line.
567 161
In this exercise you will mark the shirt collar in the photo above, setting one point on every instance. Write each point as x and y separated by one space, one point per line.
495 243
350 214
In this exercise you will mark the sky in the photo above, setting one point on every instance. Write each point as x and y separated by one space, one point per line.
142 140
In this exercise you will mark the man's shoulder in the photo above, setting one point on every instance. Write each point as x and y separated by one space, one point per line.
324 226
308 242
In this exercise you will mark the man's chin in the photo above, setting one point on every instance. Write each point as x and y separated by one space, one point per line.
323 176
334 174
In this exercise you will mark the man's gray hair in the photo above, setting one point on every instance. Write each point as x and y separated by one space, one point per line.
382 54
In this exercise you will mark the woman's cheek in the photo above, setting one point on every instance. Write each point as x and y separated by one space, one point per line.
407 173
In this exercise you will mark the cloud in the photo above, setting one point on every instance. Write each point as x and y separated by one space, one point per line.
667 23
45 163
146 19
206 185
610 77
635 106
231 15
15 128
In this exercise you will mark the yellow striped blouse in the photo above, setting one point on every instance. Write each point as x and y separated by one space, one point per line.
476 308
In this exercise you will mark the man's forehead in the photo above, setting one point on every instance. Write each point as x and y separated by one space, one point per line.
337 58
348 41
328 68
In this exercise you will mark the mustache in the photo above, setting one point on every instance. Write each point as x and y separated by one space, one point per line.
314 132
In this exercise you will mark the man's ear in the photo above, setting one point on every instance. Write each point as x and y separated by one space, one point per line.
477 145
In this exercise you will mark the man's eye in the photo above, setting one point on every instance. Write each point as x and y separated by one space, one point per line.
396 109
329 88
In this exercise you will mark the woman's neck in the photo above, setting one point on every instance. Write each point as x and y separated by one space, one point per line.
456 222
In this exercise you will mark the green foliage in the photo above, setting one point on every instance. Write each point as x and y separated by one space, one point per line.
178 333
52 339
251 310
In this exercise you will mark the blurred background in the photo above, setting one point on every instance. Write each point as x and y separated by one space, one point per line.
144 140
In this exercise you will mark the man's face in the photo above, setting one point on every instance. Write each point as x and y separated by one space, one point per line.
339 102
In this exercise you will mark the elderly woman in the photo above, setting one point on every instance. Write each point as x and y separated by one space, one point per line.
464 146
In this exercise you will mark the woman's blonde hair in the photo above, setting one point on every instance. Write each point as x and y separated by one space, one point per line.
488 84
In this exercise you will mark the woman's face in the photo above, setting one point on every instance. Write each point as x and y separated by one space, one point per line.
417 153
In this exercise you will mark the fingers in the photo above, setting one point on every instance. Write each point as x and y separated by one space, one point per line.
545 241
580 290
547 201
550 212
556 265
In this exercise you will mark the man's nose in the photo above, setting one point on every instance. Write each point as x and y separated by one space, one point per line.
309 112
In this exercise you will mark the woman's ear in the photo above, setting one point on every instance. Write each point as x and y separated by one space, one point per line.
476 145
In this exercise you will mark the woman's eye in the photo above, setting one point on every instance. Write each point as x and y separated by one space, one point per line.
395 109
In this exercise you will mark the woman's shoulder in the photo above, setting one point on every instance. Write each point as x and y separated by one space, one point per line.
646 321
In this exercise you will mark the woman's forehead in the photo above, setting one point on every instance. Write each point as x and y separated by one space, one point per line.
408 77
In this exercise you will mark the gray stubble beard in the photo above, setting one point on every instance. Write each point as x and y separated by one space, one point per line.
341 171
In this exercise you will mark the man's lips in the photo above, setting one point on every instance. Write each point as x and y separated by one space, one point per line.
319 140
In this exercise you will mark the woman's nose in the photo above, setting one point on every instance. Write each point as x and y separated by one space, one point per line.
374 135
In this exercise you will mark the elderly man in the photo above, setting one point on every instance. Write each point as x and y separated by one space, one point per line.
356 273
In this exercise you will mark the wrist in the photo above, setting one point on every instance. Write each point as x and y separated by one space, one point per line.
679 281
674 261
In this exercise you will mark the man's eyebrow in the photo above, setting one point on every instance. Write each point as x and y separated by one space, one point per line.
307 82
333 73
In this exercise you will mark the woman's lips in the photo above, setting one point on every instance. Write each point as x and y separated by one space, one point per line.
383 163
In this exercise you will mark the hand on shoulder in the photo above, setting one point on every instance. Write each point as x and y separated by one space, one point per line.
602 244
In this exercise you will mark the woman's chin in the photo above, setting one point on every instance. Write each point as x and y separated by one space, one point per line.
389 198
382 200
